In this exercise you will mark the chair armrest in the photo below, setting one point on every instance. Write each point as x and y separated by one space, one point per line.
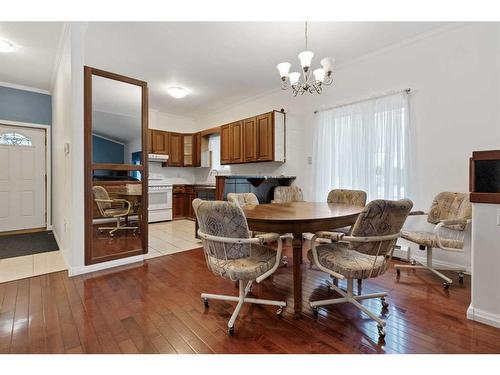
104 200
272 237
455 221
278 257
386 237
254 240
417 213
334 236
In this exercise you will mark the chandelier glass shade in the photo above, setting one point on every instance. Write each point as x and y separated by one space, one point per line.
311 81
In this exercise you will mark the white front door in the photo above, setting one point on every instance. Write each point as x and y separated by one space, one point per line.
22 178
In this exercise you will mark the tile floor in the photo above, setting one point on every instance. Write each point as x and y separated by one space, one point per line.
164 239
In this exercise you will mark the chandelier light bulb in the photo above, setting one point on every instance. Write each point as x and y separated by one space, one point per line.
305 58
284 68
319 75
177 92
294 78
327 64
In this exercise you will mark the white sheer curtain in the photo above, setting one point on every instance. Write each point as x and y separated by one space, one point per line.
364 146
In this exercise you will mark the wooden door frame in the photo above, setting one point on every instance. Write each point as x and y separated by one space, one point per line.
89 167
48 164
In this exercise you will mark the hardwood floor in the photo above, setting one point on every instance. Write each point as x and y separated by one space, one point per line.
155 307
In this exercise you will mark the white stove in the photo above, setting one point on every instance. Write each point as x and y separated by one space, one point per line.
160 198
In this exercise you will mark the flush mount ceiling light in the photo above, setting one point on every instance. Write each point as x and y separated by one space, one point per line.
6 46
311 83
177 92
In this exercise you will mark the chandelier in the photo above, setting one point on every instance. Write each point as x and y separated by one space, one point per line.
309 82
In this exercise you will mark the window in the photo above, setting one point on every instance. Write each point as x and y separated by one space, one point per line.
14 139
364 146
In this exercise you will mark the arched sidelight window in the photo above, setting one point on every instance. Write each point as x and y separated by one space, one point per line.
14 139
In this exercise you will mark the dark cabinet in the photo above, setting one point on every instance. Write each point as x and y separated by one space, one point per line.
197 150
265 137
255 139
160 142
225 144
236 149
183 196
176 148
250 139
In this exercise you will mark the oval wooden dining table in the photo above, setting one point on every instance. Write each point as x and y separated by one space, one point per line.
298 218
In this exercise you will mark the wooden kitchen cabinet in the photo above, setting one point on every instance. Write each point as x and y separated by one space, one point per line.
250 139
176 150
178 203
225 144
197 150
159 142
192 150
183 196
237 142
255 139
150 141
265 137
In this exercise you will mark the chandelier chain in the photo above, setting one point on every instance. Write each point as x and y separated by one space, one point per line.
305 32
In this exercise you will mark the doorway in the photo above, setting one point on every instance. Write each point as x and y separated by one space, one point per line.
23 178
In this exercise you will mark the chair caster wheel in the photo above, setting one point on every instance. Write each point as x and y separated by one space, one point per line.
205 302
398 272
413 262
330 290
461 277
446 285
279 312
315 311
381 332
230 331
385 304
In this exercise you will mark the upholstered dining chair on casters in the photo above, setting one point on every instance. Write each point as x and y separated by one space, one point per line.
284 194
107 209
451 213
343 196
247 199
233 254
365 253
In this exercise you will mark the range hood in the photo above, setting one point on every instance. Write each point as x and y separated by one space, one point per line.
158 157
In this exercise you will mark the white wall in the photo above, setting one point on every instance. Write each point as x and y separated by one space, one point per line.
485 304
67 127
455 81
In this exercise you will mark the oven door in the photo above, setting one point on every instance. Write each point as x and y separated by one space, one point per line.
160 198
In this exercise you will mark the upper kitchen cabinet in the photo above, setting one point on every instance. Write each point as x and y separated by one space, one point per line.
159 142
250 139
192 150
225 141
176 150
255 139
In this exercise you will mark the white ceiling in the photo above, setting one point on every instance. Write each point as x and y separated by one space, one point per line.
221 63
32 63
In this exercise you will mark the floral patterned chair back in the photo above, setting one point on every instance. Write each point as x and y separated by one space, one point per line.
378 218
354 197
283 194
222 219
449 205
243 199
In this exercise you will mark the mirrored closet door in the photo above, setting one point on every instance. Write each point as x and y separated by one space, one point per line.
116 123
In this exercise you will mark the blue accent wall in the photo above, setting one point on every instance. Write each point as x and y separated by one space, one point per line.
106 151
25 106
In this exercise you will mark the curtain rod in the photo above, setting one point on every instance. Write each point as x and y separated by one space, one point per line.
407 90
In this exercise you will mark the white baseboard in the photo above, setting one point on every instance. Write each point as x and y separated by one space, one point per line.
80 270
483 316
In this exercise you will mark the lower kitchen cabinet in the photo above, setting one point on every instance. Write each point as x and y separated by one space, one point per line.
183 196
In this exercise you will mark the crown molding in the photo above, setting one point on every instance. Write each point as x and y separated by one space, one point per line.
24 88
